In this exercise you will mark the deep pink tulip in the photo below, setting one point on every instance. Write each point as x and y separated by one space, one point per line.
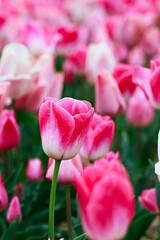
14 210
148 200
3 195
9 130
66 171
108 98
123 74
63 126
106 199
139 112
34 170
99 137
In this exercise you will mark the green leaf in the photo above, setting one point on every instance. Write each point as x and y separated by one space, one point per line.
11 182
8 233
158 191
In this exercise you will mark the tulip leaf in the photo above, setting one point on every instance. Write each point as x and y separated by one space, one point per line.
11 182
8 233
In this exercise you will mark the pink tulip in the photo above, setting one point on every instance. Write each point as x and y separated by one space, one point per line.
14 210
63 126
139 112
123 73
148 200
3 195
99 56
99 137
34 170
19 69
66 171
108 98
106 199
9 130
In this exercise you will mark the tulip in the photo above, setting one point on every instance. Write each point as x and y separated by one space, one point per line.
3 195
19 69
108 98
14 210
63 126
99 56
139 112
148 200
99 137
9 130
19 190
34 170
106 199
66 171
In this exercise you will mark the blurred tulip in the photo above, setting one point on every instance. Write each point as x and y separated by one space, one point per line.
66 171
19 69
14 210
106 199
63 126
99 137
19 190
139 112
9 130
108 98
148 200
34 170
3 94
99 56
3 195
123 74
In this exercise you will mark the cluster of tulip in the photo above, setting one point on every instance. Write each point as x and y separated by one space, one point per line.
58 58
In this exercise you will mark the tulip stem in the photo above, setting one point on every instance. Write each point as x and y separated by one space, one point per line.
52 199
5 160
117 143
68 207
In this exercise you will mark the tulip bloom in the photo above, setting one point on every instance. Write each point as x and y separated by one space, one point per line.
108 98
139 112
106 199
148 200
14 210
66 171
9 130
63 126
3 195
34 170
99 137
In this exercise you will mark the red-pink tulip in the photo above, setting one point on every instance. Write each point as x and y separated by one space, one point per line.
148 200
34 170
108 98
139 112
106 199
14 210
63 126
99 137
66 171
3 195
9 130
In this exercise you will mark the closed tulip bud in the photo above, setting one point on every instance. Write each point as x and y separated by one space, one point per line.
9 130
108 98
139 112
106 199
66 171
19 190
148 200
99 137
63 126
3 195
34 170
14 210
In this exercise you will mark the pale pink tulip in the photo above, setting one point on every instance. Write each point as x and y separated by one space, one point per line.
14 210
34 170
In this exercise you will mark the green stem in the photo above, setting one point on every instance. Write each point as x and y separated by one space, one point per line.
117 143
52 199
5 161
68 207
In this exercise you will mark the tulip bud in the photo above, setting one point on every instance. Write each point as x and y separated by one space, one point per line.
34 170
148 200
14 210
99 137
3 195
63 126
19 190
9 130
66 171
